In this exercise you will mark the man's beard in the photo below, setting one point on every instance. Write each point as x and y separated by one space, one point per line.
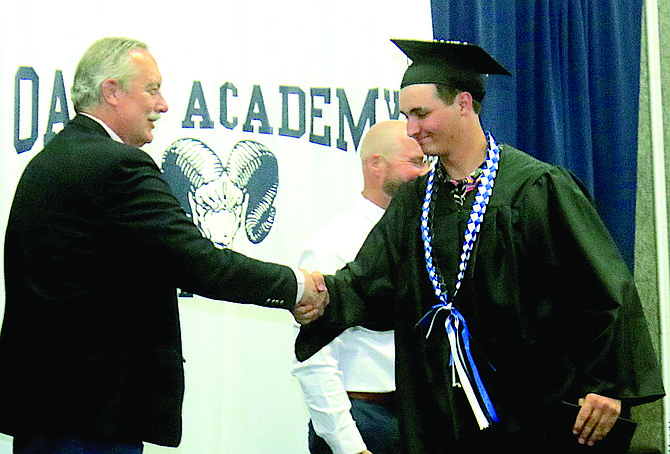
391 185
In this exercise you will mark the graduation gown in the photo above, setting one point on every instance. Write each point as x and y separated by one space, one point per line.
551 306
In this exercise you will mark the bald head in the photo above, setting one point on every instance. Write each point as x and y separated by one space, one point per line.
390 158
386 139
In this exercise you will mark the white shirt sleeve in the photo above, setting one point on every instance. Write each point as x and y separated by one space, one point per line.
327 401
321 377
300 280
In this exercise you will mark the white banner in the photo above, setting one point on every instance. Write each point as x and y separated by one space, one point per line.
293 85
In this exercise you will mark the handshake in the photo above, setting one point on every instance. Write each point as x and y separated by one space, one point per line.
313 301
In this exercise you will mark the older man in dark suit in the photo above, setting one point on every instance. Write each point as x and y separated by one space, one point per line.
96 246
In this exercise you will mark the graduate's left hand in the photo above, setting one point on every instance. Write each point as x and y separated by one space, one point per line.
596 418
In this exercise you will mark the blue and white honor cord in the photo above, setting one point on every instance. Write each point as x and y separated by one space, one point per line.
464 370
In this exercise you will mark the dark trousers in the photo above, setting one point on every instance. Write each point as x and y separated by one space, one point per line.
55 445
376 423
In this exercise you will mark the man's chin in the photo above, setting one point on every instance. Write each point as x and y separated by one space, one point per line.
148 139
429 152
139 141
425 147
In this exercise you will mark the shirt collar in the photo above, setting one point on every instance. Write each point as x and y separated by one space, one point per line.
459 188
369 209
109 130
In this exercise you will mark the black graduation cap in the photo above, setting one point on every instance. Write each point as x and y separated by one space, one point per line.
453 63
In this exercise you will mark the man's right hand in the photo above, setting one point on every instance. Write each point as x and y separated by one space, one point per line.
313 301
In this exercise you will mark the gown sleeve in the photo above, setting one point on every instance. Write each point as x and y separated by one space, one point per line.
586 287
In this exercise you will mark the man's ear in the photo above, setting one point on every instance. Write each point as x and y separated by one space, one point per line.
376 162
464 100
110 89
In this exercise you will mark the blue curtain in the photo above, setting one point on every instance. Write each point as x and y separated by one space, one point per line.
574 97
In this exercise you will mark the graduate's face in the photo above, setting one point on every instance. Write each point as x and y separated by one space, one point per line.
432 123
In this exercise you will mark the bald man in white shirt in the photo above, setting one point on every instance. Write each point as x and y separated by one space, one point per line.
348 385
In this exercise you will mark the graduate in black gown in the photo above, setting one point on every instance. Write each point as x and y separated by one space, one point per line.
508 296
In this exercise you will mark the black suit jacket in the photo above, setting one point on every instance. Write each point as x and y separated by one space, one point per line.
95 248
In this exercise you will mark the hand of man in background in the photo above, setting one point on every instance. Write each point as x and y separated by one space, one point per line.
313 301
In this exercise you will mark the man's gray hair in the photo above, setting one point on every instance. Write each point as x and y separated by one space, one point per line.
107 58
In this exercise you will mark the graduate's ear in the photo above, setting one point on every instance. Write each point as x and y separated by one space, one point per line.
110 89
464 100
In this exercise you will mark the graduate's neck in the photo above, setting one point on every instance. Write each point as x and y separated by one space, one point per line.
460 163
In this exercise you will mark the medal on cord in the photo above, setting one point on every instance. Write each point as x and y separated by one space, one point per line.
464 369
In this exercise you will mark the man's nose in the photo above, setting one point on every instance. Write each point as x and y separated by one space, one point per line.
162 106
